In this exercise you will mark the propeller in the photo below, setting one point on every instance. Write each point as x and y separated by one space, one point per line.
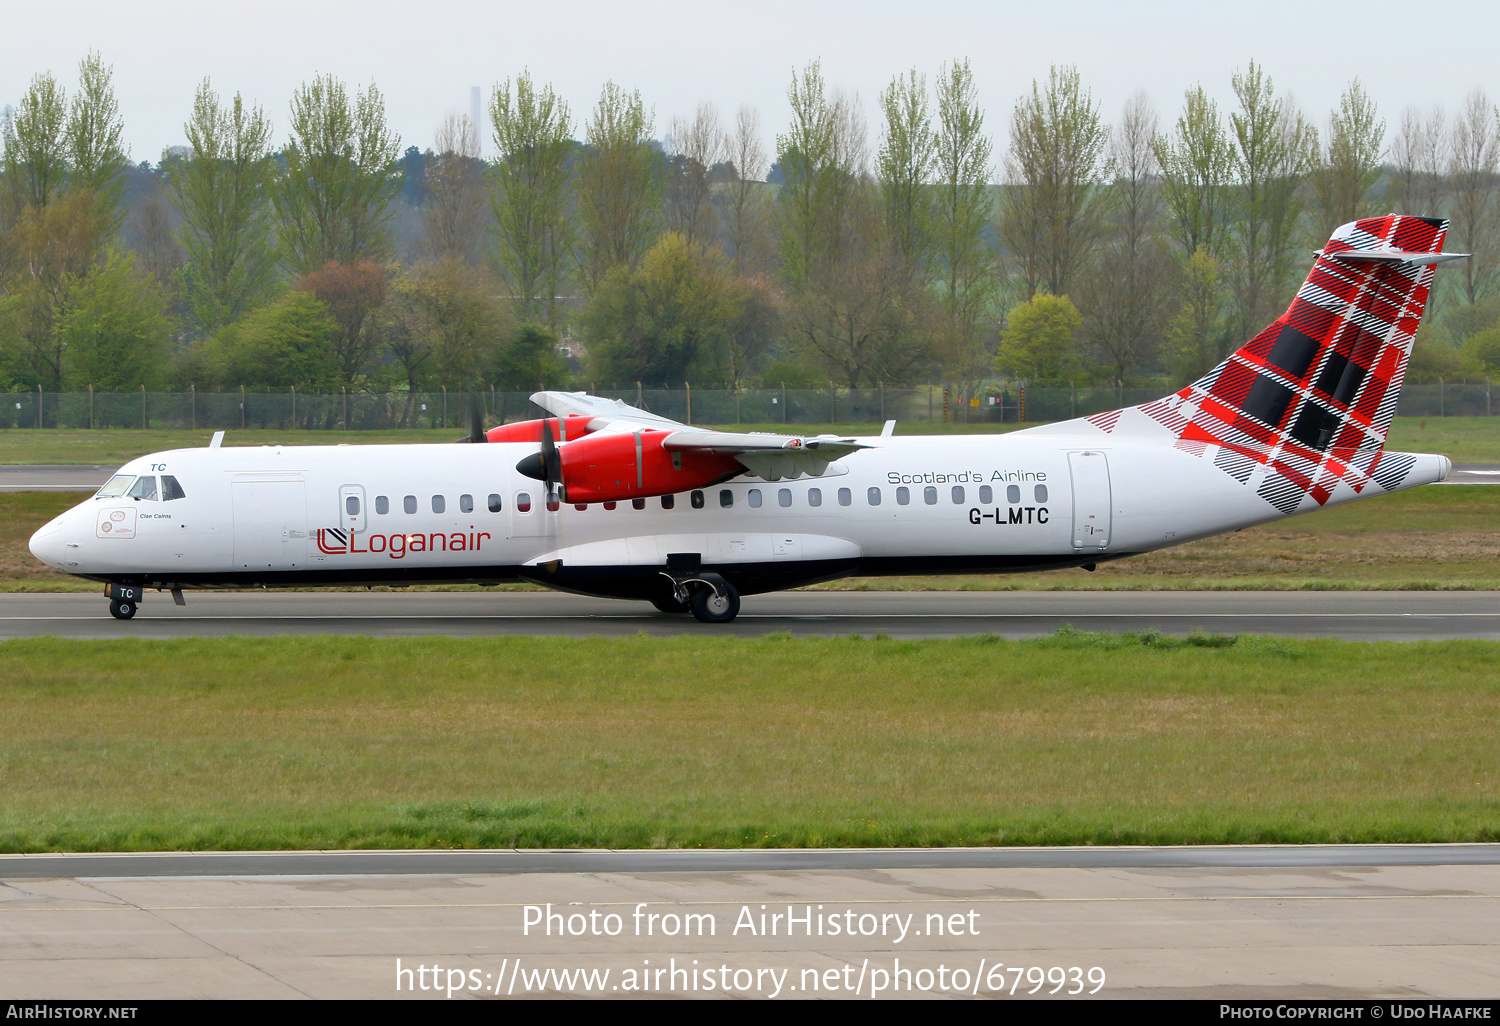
545 464
476 420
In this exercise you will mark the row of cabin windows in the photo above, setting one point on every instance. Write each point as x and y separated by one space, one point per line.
754 498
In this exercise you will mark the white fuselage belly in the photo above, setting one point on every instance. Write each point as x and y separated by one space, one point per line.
281 515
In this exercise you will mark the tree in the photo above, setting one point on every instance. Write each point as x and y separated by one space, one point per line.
1350 165
1040 340
902 169
961 213
451 323
619 186
1196 162
222 189
454 212
1195 337
662 323
285 344
36 152
350 293
745 208
333 197
1274 147
530 193
822 158
528 360
1419 163
1472 172
97 160
697 148
1122 299
1052 211
116 329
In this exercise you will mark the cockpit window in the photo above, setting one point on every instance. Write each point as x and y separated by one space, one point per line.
115 486
170 489
144 488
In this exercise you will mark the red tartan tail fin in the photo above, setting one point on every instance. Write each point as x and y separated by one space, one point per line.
1310 399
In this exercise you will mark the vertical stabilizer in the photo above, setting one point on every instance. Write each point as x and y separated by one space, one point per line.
1307 403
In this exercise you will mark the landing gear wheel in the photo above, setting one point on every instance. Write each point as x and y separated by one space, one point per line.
711 606
121 610
669 604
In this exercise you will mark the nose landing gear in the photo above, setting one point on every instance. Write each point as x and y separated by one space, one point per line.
123 600
121 610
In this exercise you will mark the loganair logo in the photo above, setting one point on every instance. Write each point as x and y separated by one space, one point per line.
335 541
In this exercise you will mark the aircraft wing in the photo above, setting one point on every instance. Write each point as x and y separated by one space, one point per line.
765 455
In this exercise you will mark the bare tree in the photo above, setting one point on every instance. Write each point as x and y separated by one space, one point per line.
1052 212
1123 299
1472 170
454 214
697 148
745 210
152 237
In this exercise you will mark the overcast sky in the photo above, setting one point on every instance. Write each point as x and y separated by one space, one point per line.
425 56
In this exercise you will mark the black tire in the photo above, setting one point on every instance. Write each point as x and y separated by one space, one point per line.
712 607
121 610
669 604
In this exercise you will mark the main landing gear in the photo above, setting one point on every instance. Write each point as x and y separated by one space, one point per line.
709 597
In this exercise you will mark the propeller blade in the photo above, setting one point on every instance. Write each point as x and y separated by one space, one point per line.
545 464
476 419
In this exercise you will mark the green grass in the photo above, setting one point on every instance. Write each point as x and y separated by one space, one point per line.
1462 439
648 742
1444 537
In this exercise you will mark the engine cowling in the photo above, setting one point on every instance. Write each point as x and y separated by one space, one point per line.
609 468
531 430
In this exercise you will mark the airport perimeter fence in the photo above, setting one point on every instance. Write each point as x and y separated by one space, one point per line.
804 408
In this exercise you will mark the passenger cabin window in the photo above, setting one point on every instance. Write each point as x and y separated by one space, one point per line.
696 498
466 503
986 494
409 503
439 504
637 503
903 495
580 506
1012 493
726 498
610 504
874 496
755 498
495 503
170 489
1041 493
845 497
668 501
523 502
784 497
351 505
958 495
554 503
815 496
382 504
929 495
144 488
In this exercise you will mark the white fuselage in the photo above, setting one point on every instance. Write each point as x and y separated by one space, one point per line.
289 515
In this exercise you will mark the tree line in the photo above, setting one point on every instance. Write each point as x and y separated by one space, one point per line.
594 252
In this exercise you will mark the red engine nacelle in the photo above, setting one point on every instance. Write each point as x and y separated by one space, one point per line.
608 468
531 430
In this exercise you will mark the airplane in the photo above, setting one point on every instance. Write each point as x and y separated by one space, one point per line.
605 499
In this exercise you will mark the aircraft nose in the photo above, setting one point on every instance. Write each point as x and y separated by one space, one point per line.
50 543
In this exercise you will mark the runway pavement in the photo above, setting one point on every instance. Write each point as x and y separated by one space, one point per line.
1210 923
1358 616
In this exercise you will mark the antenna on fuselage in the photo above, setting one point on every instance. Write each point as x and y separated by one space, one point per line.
218 440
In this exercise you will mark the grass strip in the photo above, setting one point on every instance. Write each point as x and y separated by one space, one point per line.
321 742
